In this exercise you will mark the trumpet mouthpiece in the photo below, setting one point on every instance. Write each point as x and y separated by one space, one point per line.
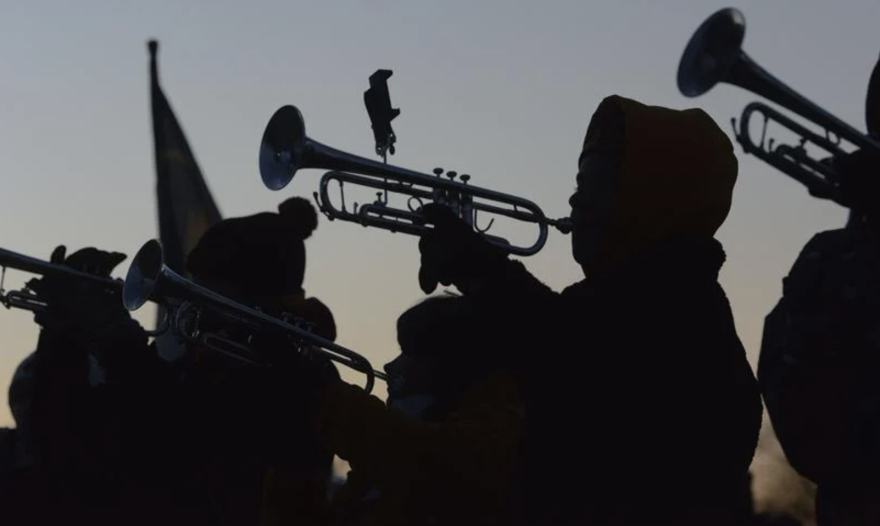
563 225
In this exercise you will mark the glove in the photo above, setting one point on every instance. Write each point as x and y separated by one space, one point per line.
453 253
76 305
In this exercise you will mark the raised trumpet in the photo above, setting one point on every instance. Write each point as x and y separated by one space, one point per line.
285 148
714 54
27 299
148 279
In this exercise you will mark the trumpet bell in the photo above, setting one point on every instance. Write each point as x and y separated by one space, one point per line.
714 49
282 147
143 275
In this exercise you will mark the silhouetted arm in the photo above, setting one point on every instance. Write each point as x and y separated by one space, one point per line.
469 455
520 308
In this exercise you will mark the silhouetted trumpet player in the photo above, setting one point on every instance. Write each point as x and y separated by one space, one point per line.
444 448
208 463
257 347
819 355
635 372
205 317
93 276
78 398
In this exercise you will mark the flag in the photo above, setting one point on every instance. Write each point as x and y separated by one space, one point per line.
185 206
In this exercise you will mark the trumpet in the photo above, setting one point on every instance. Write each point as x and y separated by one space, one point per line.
714 54
148 279
285 148
27 299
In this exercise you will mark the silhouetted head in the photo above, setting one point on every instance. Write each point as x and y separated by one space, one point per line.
444 349
260 261
260 258
859 173
648 175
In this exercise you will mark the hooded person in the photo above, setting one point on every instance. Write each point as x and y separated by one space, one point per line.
442 449
637 371
240 427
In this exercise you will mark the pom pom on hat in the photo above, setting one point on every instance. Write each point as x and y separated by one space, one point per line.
300 216
261 254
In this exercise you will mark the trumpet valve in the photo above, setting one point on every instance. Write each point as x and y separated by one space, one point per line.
465 178
438 171
451 175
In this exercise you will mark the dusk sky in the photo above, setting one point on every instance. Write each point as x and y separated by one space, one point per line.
502 91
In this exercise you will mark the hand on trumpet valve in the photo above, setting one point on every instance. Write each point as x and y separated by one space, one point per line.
76 304
453 253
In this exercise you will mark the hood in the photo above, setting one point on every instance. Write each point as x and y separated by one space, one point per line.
678 171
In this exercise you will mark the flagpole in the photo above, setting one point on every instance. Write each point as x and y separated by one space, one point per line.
185 206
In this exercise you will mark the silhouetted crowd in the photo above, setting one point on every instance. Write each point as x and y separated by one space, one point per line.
625 399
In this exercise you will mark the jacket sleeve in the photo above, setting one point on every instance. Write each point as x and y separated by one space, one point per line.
509 283
471 452
510 296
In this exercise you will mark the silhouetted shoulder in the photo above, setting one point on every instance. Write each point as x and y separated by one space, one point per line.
830 242
829 261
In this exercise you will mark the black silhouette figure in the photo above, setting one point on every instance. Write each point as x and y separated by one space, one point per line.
820 352
635 373
259 261
444 447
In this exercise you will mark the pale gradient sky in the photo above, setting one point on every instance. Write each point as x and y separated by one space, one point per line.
500 90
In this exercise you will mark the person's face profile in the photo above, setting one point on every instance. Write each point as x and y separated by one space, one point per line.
593 204
409 376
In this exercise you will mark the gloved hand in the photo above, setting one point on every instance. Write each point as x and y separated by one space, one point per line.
77 306
453 253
